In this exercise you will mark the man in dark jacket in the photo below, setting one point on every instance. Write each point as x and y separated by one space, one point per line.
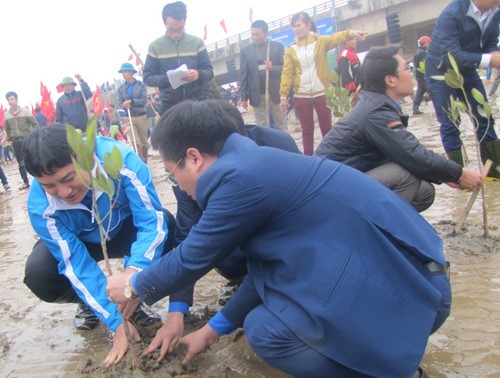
373 138
348 66
171 51
71 107
468 29
40 117
418 58
256 60
133 97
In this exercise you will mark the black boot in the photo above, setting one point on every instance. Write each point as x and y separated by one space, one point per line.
491 150
456 156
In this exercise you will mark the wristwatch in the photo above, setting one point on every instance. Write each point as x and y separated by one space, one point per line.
127 291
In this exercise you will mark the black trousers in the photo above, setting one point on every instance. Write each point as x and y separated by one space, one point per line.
42 276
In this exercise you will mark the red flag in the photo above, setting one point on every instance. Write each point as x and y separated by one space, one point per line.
250 15
2 116
59 88
130 57
32 110
47 107
138 59
97 101
205 33
223 24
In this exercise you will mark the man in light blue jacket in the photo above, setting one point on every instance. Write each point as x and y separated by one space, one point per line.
345 279
63 265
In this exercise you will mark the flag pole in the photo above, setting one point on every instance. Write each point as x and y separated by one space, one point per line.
137 57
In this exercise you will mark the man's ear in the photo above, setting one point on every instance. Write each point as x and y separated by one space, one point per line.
390 81
194 155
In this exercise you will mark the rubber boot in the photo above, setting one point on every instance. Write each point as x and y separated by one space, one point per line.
457 157
491 150
144 153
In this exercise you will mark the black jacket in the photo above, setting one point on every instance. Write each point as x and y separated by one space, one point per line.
71 108
249 73
364 140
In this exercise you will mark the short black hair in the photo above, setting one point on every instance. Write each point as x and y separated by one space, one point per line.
378 63
306 19
177 10
260 24
233 112
204 125
45 150
10 94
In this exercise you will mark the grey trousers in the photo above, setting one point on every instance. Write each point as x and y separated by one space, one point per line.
418 193
279 118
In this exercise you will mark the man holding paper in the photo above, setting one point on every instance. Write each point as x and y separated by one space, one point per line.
177 63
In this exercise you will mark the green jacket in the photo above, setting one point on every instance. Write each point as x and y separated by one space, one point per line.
18 127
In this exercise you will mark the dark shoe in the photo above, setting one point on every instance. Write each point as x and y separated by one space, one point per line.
227 291
85 319
144 318
6 187
423 374
491 150
24 186
417 112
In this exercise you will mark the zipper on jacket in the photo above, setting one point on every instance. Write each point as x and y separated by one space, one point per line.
179 64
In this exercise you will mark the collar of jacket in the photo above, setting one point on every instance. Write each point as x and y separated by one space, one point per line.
307 40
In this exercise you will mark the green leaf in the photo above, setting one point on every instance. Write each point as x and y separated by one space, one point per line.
438 77
481 111
74 138
85 158
101 183
79 172
478 96
453 63
487 109
91 133
334 77
453 80
113 162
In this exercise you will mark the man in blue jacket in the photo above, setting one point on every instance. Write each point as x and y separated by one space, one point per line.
344 277
468 29
133 97
63 265
71 107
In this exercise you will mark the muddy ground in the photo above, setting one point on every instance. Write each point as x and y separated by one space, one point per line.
37 339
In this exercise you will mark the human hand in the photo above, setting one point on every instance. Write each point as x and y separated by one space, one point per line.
244 104
127 309
79 77
269 65
283 105
198 342
127 103
495 59
470 179
359 35
192 75
168 335
115 288
120 345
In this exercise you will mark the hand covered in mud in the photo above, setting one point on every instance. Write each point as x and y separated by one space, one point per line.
198 342
120 345
127 309
168 335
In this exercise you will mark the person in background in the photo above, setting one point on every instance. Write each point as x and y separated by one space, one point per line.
418 58
40 117
348 66
19 122
254 64
468 30
172 50
305 68
133 97
71 107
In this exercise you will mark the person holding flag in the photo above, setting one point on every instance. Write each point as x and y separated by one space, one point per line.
71 107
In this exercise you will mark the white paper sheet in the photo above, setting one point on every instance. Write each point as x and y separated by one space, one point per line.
174 76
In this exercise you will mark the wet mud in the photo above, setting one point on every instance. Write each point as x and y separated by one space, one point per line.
37 339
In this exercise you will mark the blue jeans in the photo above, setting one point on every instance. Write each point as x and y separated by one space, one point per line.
275 343
440 94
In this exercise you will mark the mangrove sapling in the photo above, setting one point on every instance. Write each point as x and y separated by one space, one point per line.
102 179
454 79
